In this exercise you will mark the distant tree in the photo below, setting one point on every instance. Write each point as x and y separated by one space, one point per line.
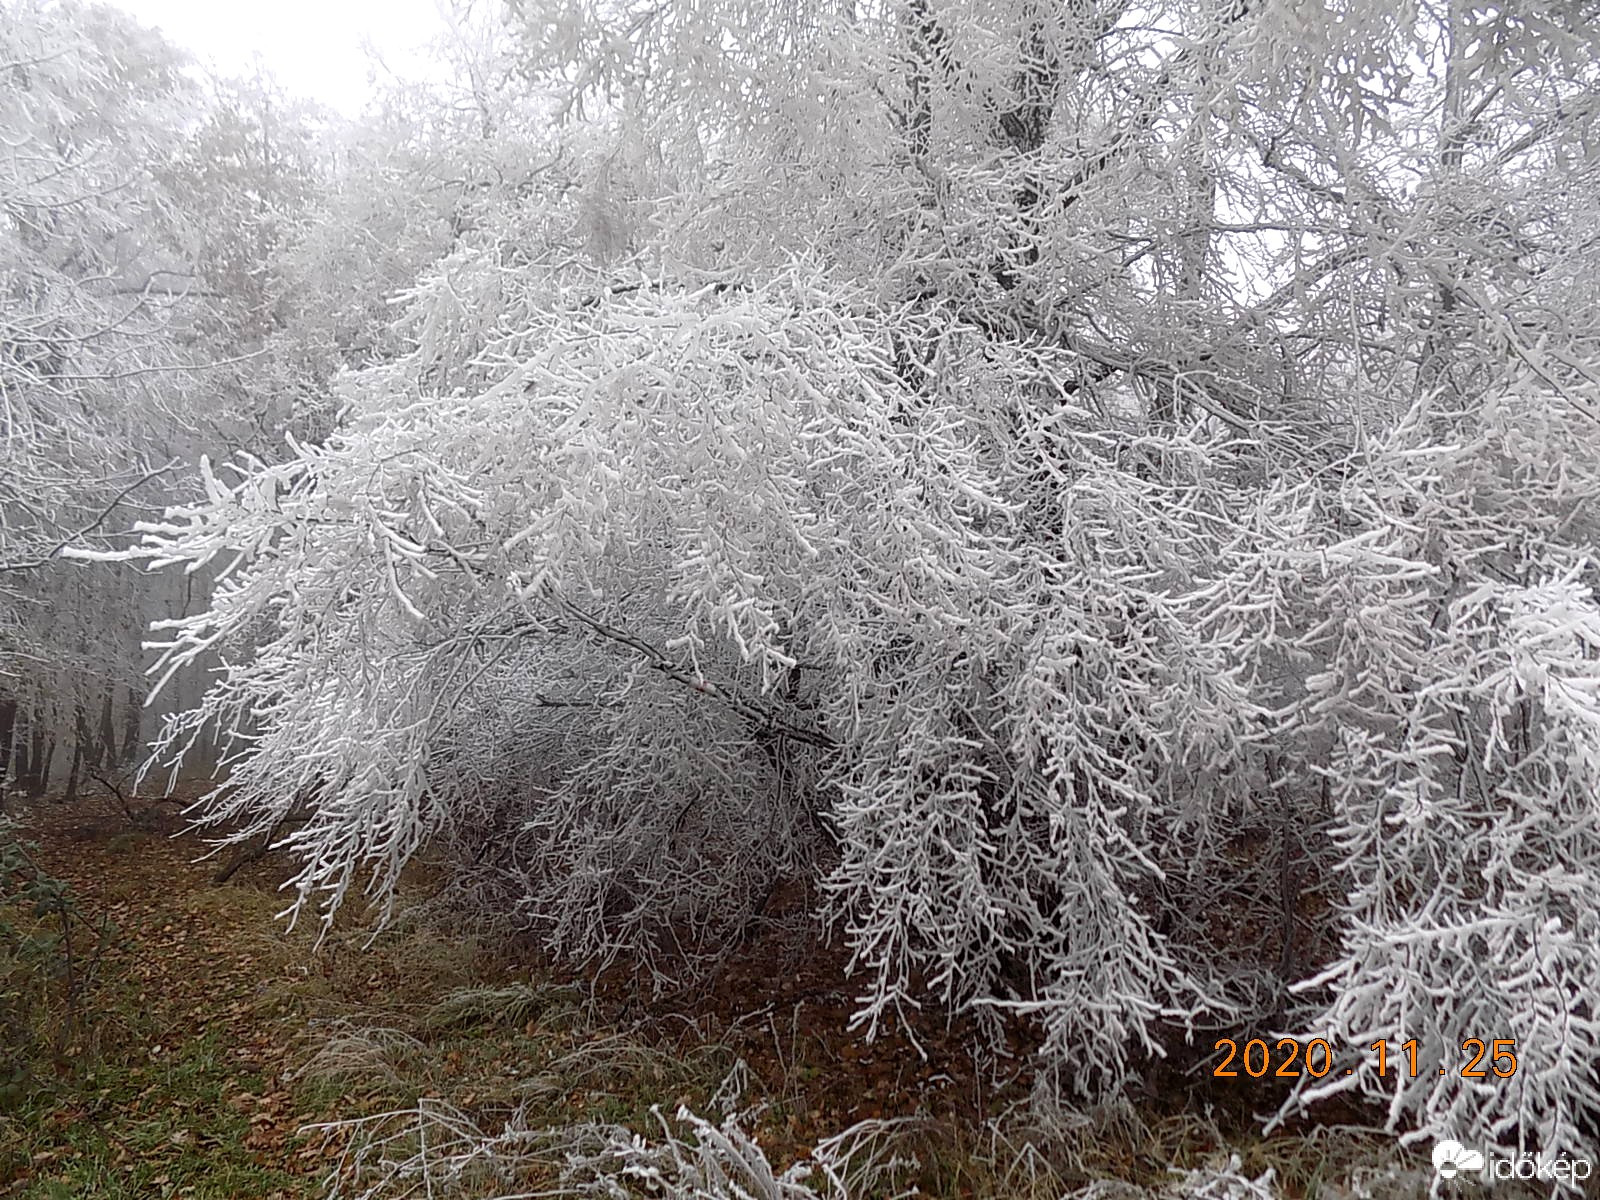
136 235
93 286
246 173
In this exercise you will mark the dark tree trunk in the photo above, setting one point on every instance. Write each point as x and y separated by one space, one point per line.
8 725
43 750
105 742
80 747
132 726
23 760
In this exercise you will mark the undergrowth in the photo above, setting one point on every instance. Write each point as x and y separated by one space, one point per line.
50 952
429 1063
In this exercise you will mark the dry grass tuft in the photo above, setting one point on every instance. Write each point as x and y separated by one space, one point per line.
349 1053
513 1006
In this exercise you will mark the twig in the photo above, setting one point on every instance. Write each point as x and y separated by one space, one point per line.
122 800
48 556
764 720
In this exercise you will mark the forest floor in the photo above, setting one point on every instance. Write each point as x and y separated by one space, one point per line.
208 1042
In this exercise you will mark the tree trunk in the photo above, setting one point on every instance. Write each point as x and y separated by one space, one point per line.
132 726
43 750
80 745
8 724
105 742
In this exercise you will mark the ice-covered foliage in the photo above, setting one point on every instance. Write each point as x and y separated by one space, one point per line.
1129 543
82 334
1458 650
685 1157
717 597
1224 1181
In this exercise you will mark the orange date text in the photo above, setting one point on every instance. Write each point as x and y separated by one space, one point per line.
1292 1058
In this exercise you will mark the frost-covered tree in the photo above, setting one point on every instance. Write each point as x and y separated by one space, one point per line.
1103 494
428 164
92 289
137 294
245 174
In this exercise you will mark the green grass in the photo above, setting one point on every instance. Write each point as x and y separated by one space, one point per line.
173 1126
110 1095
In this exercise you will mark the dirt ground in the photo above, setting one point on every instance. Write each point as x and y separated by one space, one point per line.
213 1041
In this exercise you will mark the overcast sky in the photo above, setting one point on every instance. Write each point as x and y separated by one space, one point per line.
313 47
